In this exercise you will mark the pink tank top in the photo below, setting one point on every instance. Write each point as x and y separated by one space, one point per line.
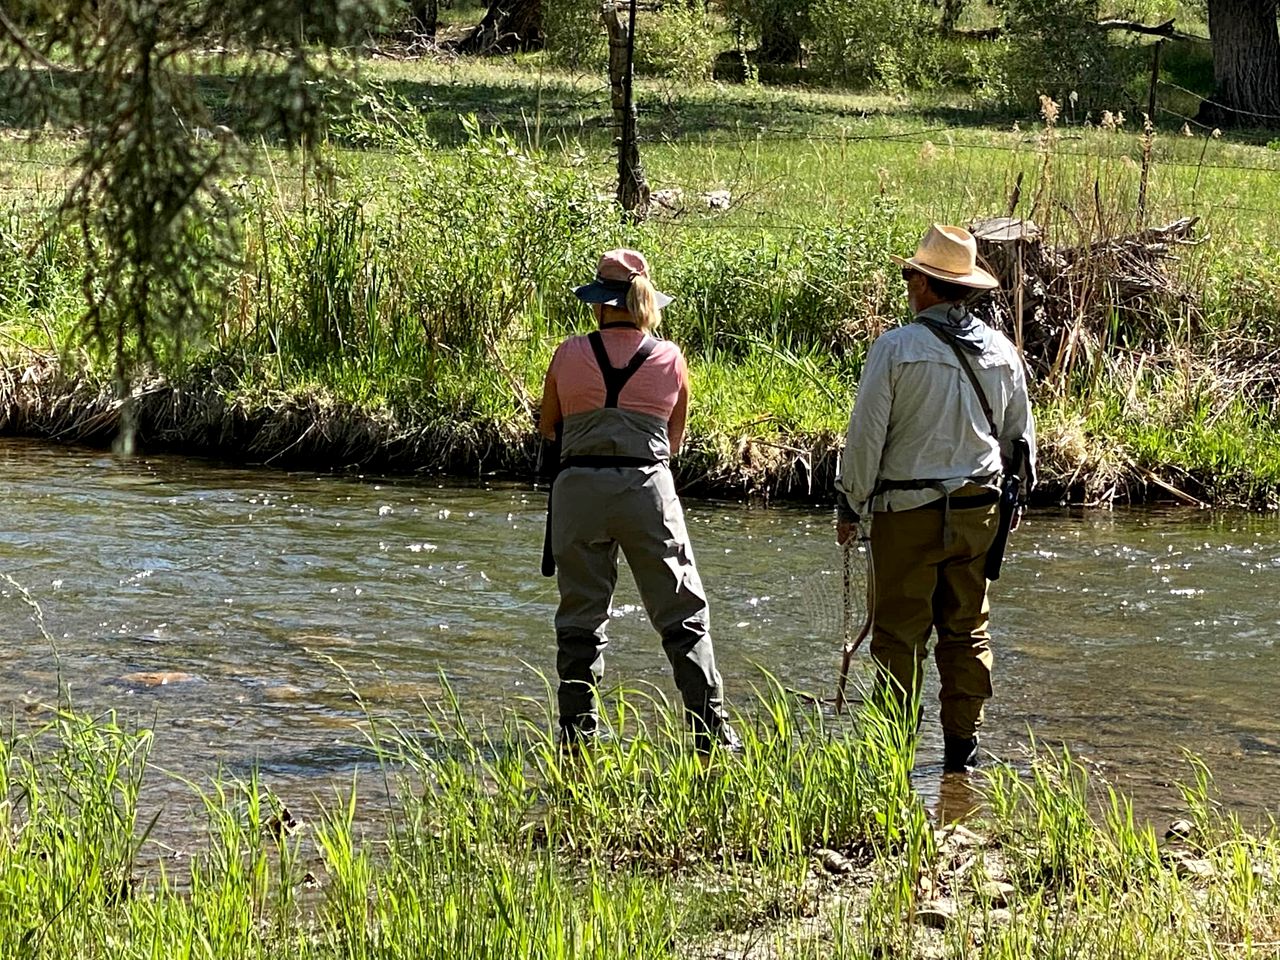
653 389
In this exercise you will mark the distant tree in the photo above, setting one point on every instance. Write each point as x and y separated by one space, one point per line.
507 26
779 36
424 16
951 11
145 196
1246 64
779 26
1056 47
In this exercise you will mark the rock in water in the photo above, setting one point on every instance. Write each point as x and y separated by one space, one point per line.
159 678
1194 868
834 862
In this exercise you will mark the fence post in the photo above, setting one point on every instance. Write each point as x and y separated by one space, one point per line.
1155 80
633 189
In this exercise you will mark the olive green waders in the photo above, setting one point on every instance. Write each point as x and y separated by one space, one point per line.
927 578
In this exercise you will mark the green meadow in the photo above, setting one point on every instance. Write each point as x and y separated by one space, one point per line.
404 293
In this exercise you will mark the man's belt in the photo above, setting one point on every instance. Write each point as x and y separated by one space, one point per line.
604 463
968 502
948 500
886 485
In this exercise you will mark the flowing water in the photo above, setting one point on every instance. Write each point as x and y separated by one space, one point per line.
1129 636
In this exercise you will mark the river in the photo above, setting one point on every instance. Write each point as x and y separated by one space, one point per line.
1130 636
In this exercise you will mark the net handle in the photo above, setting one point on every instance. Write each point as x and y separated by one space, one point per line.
852 641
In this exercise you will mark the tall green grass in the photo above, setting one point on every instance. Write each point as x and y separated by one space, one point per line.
490 843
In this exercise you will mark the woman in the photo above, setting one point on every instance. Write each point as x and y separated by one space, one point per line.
617 398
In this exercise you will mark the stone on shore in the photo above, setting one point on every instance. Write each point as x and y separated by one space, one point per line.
936 914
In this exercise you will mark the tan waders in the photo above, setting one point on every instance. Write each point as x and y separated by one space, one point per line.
614 493
927 578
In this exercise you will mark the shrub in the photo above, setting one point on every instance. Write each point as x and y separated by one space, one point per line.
778 26
575 33
678 43
450 250
828 288
890 45
1055 47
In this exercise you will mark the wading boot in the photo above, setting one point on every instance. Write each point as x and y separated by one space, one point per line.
959 754
730 742
723 737
580 732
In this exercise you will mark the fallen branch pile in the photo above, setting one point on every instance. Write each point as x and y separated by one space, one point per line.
1061 303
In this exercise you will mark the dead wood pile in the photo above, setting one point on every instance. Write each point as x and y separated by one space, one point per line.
1060 302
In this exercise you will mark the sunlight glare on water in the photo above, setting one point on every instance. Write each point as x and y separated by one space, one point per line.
265 598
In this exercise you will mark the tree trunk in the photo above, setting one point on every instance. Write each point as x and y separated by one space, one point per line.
951 10
779 38
508 25
423 17
1246 64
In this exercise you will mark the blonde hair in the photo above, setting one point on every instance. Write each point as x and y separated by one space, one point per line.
642 303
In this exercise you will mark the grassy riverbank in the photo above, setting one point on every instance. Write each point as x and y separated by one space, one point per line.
810 844
396 308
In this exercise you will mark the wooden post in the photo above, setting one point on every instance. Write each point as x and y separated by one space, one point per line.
1018 277
633 189
1148 135
1155 80
1010 249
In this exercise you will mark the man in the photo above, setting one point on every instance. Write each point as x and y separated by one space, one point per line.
924 461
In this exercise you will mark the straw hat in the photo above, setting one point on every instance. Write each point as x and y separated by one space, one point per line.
950 254
614 273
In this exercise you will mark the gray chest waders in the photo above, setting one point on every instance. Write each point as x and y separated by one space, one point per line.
615 378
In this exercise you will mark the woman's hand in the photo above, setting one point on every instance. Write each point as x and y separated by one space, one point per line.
549 410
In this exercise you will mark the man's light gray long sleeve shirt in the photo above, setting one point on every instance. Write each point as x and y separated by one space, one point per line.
917 416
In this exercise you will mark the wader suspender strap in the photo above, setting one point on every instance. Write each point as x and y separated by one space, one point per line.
973 378
615 378
1011 482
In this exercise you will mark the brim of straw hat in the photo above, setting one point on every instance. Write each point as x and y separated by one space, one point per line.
613 293
977 278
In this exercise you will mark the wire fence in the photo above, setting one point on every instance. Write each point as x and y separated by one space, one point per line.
915 137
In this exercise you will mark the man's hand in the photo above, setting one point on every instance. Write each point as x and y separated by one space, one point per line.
1017 519
846 521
